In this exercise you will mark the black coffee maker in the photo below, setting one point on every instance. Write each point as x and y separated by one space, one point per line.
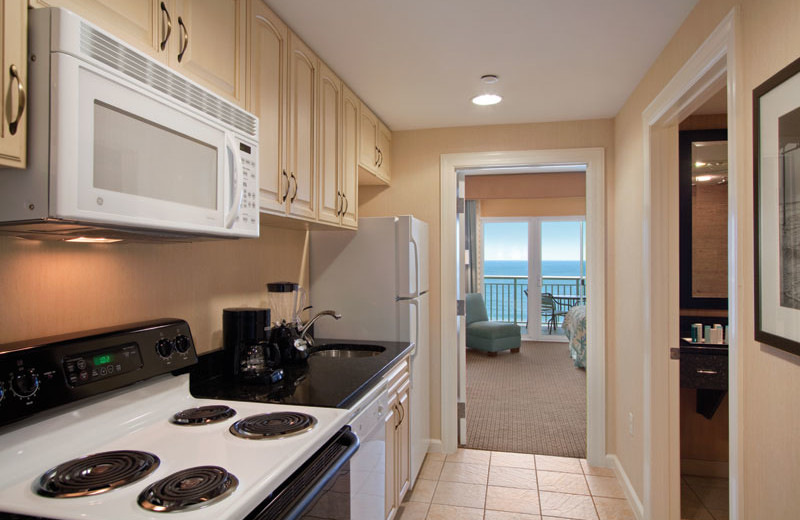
245 337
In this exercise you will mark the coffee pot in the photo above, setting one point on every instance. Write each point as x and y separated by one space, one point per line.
248 353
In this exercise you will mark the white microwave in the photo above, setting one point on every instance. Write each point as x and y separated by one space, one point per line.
120 146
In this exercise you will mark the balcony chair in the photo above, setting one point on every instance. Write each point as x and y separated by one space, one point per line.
489 336
553 308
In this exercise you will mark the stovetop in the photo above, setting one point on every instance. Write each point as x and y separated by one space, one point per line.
140 418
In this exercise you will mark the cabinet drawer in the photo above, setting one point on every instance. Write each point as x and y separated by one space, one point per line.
704 371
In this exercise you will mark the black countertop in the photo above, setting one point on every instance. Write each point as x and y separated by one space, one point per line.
319 381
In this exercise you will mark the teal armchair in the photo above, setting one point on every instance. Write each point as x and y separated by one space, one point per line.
489 336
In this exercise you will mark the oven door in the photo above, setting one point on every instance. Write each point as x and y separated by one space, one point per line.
123 155
319 489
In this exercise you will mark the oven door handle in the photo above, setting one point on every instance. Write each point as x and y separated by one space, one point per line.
290 500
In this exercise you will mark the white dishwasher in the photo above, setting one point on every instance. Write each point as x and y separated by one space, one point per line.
368 465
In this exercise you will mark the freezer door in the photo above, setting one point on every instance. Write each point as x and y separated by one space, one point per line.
412 256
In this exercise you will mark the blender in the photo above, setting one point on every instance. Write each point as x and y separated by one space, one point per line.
286 301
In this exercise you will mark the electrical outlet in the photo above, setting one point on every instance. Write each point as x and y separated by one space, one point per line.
630 424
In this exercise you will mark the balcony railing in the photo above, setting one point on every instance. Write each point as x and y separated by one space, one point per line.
506 298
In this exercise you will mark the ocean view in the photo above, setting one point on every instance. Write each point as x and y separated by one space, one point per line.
503 295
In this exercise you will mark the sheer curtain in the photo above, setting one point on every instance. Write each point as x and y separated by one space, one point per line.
472 246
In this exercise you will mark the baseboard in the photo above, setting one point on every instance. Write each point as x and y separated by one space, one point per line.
627 487
435 446
704 468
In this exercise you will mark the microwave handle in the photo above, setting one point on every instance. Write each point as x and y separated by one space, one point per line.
236 180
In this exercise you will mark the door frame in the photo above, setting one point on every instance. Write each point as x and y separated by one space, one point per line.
594 160
711 67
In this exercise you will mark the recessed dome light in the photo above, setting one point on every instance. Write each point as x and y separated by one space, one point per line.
489 79
487 99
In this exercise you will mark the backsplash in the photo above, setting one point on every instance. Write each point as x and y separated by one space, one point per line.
54 287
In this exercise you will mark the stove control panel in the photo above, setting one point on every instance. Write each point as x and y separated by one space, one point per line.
40 374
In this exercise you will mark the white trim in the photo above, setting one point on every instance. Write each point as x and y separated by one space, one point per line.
710 68
594 159
627 487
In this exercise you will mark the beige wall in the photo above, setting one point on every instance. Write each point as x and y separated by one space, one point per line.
560 207
415 189
525 186
771 380
54 287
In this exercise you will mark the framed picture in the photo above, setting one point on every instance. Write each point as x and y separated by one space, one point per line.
776 168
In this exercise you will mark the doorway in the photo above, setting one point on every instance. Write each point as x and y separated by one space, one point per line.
452 362
712 67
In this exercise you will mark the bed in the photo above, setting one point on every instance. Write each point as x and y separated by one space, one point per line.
575 328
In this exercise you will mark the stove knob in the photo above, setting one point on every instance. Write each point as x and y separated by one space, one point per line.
164 348
182 343
25 384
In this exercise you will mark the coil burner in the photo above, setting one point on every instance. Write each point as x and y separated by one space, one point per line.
273 425
203 415
95 474
191 488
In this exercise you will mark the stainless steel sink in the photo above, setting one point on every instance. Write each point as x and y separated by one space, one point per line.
347 350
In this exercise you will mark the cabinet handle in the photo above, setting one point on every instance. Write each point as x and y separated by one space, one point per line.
707 372
397 420
285 195
185 33
339 203
380 158
377 155
294 195
12 125
164 12
346 204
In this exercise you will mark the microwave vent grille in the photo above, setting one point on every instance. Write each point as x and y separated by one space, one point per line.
120 57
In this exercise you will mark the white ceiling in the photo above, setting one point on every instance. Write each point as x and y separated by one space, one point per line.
417 63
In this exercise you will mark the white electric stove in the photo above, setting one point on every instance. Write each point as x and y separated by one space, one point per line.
94 429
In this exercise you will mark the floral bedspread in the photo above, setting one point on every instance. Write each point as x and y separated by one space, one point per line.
575 328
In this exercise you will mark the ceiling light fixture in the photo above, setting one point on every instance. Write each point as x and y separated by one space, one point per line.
94 240
488 97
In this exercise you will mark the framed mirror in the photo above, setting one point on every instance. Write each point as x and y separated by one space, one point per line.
704 219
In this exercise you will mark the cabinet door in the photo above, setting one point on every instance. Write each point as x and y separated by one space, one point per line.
143 23
303 76
330 127
368 145
13 121
267 70
208 44
384 152
349 184
403 461
390 424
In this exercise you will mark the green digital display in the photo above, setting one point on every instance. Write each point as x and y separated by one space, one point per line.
102 359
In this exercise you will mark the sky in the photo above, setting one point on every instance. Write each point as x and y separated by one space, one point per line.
509 240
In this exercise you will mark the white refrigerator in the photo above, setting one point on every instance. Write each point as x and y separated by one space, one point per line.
377 279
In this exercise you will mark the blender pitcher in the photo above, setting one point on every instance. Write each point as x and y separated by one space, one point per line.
287 301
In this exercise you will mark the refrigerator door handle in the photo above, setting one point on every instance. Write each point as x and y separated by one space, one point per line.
414 349
415 292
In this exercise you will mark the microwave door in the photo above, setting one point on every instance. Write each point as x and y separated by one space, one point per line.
140 161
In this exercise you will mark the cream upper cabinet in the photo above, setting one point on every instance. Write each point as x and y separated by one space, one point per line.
349 177
203 39
375 148
303 78
141 23
331 202
208 44
267 98
13 122
384 153
368 140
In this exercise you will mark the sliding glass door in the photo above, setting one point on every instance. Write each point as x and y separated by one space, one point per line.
534 272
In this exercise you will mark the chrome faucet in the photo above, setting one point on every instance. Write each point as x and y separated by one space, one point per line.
303 330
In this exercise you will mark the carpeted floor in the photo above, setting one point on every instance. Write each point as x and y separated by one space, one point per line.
531 402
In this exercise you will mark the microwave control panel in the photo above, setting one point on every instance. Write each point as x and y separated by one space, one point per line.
247 219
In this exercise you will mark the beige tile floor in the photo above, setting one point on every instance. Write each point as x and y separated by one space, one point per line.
491 485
